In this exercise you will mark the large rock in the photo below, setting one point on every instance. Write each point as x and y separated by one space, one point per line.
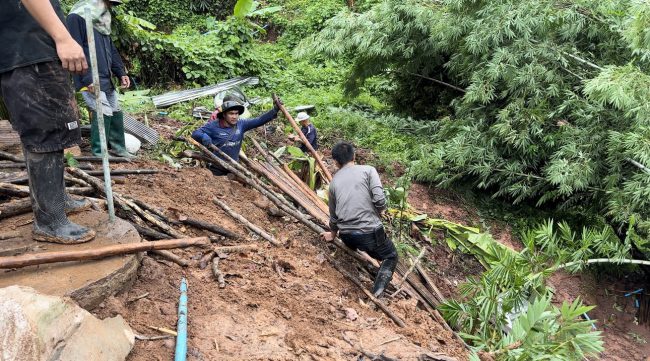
34 327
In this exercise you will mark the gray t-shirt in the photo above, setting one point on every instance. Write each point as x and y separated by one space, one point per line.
356 198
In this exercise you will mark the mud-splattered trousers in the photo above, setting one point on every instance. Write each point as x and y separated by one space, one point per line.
41 106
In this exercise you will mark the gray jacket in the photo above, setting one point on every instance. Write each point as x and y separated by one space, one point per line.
356 199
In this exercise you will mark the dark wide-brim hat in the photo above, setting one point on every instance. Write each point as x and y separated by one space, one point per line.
230 105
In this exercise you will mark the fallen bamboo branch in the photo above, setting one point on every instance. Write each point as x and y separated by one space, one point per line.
11 157
203 263
15 208
246 222
304 140
23 191
148 232
408 272
99 159
164 330
12 165
149 217
151 338
99 252
235 249
281 203
9 235
431 285
123 171
368 354
217 273
170 256
374 299
209 227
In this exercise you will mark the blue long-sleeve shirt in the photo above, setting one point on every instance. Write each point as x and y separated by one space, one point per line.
108 59
311 135
229 139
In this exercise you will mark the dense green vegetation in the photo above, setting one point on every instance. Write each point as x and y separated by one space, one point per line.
541 105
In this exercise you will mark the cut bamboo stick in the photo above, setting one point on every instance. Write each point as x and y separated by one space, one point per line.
304 140
217 273
246 222
99 252
374 299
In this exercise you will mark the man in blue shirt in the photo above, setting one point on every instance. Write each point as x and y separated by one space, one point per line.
227 132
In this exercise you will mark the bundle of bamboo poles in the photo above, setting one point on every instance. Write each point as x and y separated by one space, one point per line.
416 284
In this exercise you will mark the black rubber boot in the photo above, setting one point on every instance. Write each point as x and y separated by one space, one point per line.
47 193
384 275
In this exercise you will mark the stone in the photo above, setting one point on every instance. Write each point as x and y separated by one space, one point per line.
351 313
35 327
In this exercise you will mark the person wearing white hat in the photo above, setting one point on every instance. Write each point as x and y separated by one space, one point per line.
308 130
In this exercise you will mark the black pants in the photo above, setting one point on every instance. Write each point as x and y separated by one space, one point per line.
376 244
41 105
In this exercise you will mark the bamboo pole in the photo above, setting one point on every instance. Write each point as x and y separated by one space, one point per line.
430 283
209 227
11 157
246 222
124 171
374 299
282 203
217 273
90 36
409 271
98 252
304 140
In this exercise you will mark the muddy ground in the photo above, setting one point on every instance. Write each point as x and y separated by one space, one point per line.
289 303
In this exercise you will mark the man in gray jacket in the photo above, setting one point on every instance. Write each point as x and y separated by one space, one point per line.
356 200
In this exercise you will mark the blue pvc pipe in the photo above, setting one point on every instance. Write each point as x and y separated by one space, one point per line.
181 337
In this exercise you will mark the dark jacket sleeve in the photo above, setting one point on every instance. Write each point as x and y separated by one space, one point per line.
202 136
77 27
117 65
248 124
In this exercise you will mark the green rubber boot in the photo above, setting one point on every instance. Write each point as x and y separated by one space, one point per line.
95 144
116 136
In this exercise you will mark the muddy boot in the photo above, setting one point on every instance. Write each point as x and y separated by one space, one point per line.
384 276
116 136
47 193
95 144
73 205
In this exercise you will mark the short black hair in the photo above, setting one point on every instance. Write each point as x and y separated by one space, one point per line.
343 153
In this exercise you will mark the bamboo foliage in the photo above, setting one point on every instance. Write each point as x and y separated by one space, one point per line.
554 98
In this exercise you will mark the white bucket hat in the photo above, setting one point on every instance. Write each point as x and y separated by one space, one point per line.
302 116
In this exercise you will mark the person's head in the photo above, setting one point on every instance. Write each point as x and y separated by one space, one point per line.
303 118
343 153
230 112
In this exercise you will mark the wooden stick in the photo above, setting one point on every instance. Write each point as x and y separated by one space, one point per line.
9 235
304 140
406 275
246 223
148 232
431 285
374 299
11 157
235 249
165 330
217 274
149 217
99 159
206 259
99 252
124 171
12 165
172 257
23 191
209 227
15 208
368 354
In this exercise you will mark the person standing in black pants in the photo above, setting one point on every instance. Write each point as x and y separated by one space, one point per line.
356 201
